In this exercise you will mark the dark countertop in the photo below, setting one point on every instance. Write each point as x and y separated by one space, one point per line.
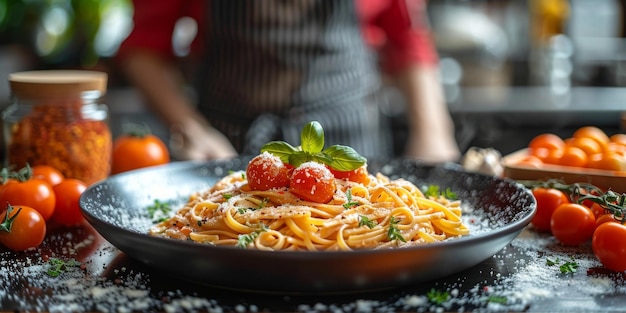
515 279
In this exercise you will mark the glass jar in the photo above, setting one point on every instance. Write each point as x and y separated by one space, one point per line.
56 118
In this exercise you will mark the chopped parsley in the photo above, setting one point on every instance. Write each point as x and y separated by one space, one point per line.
497 299
394 233
159 211
437 296
244 240
58 266
364 220
349 203
435 192
567 267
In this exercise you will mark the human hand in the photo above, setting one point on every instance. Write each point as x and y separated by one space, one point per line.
432 147
196 141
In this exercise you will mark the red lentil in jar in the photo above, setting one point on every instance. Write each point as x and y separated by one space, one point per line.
56 119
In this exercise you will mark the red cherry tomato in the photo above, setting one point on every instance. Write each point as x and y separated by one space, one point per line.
267 171
572 224
67 211
34 193
609 246
548 200
47 173
313 182
21 228
132 152
359 175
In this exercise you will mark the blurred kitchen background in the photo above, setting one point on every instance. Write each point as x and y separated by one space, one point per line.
511 68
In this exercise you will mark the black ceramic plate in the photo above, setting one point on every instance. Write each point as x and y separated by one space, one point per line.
116 207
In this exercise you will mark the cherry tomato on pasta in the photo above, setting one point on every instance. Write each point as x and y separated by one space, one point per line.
21 228
609 246
548 199
34 193
312 181
572 224
67 211
359 175
266 171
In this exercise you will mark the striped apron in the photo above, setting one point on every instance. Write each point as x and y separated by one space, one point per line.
274 65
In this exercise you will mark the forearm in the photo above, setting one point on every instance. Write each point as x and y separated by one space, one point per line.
161 84
426 107
430 124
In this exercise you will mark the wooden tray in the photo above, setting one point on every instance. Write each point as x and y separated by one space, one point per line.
600 178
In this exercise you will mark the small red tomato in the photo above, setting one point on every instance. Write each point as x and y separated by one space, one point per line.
572 224
548 200
132 152
312 181
359 175
266 171
47 173
21 228
609 246
34 193
67 211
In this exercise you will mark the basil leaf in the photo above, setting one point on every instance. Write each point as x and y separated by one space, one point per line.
312 137
299 157
280 149
344 158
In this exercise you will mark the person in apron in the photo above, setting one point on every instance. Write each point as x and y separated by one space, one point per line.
269 67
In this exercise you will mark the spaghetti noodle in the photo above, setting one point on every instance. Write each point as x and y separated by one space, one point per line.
382 213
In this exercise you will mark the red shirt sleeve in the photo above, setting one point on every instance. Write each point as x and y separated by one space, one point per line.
154 22
399 30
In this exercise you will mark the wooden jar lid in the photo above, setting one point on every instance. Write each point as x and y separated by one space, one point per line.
57 83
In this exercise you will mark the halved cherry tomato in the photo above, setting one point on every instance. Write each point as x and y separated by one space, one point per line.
21 228
548 199
609 246
313 182
67 210
34 193
48 173
359 175
266 171
572 224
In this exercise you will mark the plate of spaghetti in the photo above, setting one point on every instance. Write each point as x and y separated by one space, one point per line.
308 219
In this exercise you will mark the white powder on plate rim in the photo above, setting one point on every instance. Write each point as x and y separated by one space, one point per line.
525 284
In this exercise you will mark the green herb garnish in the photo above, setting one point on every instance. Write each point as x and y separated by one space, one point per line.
339 157
567 267
364 220
434 192
159 211
349 203
244 240
497 299
394 233
437 296
58 266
